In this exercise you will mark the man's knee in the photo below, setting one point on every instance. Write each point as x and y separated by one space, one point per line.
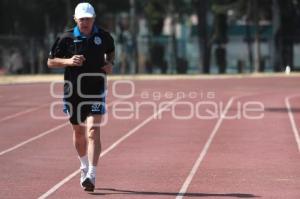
78 131
93 132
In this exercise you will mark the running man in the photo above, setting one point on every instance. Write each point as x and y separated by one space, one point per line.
87 53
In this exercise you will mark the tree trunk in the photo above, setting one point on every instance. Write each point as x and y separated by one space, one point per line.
133 30
248 35
205 48
276 27
257 54
285 34
221 39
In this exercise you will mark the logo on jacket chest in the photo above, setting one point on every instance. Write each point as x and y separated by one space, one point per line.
97 40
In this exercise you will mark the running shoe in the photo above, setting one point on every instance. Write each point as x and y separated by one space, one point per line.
89 184
83 173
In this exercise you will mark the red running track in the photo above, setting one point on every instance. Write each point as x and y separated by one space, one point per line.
166 148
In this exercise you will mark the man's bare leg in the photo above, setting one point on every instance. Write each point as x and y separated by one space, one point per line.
93 135
79 139
94 149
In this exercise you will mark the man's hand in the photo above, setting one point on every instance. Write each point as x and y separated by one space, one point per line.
76 60
107 68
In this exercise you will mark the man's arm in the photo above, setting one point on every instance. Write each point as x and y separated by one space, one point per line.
109 63
76 60
110 57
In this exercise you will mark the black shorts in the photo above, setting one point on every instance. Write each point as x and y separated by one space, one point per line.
79 110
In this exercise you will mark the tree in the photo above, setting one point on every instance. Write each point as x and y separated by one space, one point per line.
155 12
285 35
33 21
253 11
201 7
220 37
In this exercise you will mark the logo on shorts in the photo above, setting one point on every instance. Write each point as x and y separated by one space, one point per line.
95 107
97 40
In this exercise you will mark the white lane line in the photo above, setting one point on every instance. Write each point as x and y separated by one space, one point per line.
41 135
203 153
22 112
114 145
292 120
34 138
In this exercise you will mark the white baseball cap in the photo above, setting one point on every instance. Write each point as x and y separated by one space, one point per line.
84 10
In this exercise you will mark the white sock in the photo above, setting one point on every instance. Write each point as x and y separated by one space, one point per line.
84 162
92 171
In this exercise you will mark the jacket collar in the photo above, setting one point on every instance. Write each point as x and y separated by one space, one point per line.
77 33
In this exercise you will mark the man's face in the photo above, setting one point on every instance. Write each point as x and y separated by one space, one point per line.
85 25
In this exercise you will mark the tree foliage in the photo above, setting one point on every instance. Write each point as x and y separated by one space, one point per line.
35 17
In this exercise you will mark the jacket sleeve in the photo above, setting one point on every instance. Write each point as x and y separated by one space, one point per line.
58 49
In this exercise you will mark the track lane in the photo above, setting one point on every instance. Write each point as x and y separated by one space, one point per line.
150 164
37 164
24 160
55 157
253 158
294 117
32 122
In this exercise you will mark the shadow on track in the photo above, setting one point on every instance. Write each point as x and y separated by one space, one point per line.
111 191
282 110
